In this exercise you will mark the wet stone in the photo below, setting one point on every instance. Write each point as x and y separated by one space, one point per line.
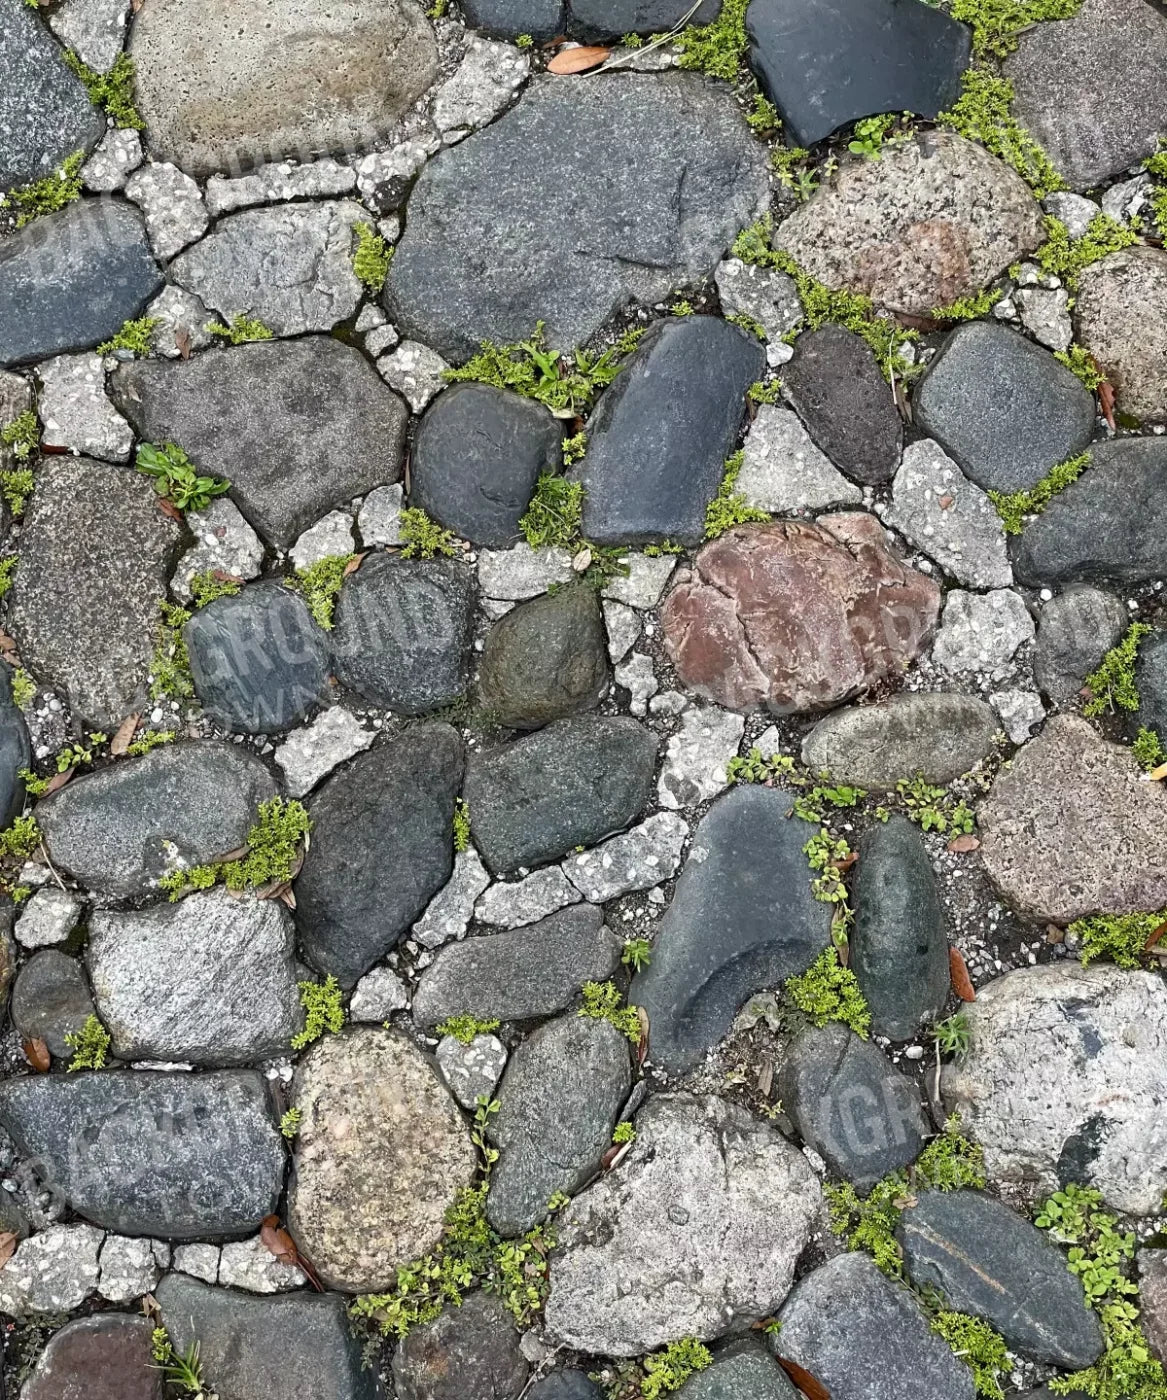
51 1000
541 19
1074 631
468 1353
106 1357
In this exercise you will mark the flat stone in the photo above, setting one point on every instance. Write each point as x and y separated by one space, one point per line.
76 413
697 757
1074 631
70 280
899 945
378 995
119 830
221 97
697 1233
841 395
1056 65
638 677
382 847
1046 316
282 180
45 112
177 1155
1120 311
53 1271
130 1268
379 519
330 536
48 918
106 1357
642 586
1074 803
182 323
93 554
471 1071
172 205
981 631
939 511
561 1096
991 1262
15 751
1063 1079
268 1348
94 29
1002 407
571 784
467 1353
742 918
784 472
210 980
742 1371
862 615
116 158
250 1265
330 429
660 435
449 913
381 1153
541 19
50 1000
311 753
614 18
763 294
198 1260
1019 711
511 575
480 87
864 1337
570 241
515 976
512 904
933 219
1151 683
635 860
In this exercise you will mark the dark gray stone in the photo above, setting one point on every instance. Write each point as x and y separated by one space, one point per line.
988 1261
469 1353
51 1000
1110 524
610 19
297 426
507 19
742 918
118 830
15 751
45 112
848 407
1151 682
1074 631
1002 407
864 1337
570 785
588 193
824 67
526 972
259 661
404 630
382 846
561 1095
566 1385
545 659
899 948
181 1156
107 1357
254 1348
851 1104
476 458
658 440
743 1371
7 950
69 280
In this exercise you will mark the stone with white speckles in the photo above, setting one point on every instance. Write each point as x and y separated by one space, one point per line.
645 581
1020 711
48 918
623 626
764 294
415 371
113 162
51 1272
379 519
471 1071
308 754
696 756
635 860
172 205
449 913
485 81
783 471
526 901
980 631
182 320
224 543
270 184
199 1260
329 537
377 995
76 413
130 1267
638 678
250 1265
94 29
511 575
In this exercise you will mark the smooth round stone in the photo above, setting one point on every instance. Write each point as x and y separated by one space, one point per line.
51 1000
104 1357
507 19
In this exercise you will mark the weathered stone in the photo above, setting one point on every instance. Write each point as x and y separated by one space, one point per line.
172 205
1153 1299
1063 1079
330 429
763 294
93 557
53 1271
94 29
1019 711
378 995
330 536
379 519
468 1353
522 572
515 976
1151 683
697 1233
449 913
981 631
106 1357
658 440
76 413
697 757
182 1156
1070 830
933 219
182 323
1121 310
643 584
635 860
118 831
784 472
861 615
471 1071
569 241
269 184
50 1000
743 1371
109 167
742 918
250 1264
381 1153
1046 316
480 87
1074 631
382 846
48 918
514 903
15 751
130 1267
309 754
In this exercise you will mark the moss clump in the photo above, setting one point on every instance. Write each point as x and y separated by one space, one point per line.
981 1349
323 1010
1122 939
574 448
555 513
465 1027
667 1371
1156 166
1147 748
1079 361
170 677
290 1123
136 337
113 92
151 739
242 331
424 538
461 826
602 1002
20 840
1014 506
1067 257
23 688
90 1045
371 258
1112 686
275 845
971 308
23 435
728 508
828 991
177 478
760 392
984 113
49 195
996 24
320 585
208 586
7 572
718 48
748 324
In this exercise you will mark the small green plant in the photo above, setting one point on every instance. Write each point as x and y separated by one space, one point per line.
981 1349
461 825
1148 749
659 548
794 171
320 585
1112 686
623 1132
465 1027
90 1045
242 330
208 586
1156 166
524 41
760 392
828 856
290 1122
574 448
23 435
372 257
828 991
113 91
424 538
666 1371
176 478
682 308
932 808
1078 360
275 844
23 688
873 133
554 514
323 1010
984 113
1066 257
637 953
151 739
185 1371
20 840
753 768
602 1002
1014 506
1122 939
747 323
728 508
48 195
170 677
16 487
763 115
953 1035
136 337
970 308
717 49
7 573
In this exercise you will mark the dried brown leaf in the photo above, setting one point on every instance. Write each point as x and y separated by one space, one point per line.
36 1052
8 1243
181 335
170 509
278 1242
961 981
810 1385
354 564
58 781
578 60
124 737
642 1048
965 842
1106 401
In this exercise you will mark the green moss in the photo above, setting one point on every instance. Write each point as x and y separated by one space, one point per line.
666 1371
828 991
1156 165
170 677
7 571
623 1132
90 1045
996 24
728 508
323 1010
747 324
465 1027
151 739
20 840
424 538
759 392
970 308
23 435
461 825
320 585
137 337
275 845
290 1122
48 195
242 331
1066 257
682 308
718 48
372 257
1078 360
23 688
555 513
873 133
984 113
524 41
177 478
603 1002
1112 686
1118 938
16 487
763 115
981 1349
1147 748
659 548
1014 506
208 586
113 92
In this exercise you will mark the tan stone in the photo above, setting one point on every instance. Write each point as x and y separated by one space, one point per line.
1122 320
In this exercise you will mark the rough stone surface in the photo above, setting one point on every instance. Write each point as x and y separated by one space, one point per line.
330 536
696 757
53 1271
311 753
1074 631
510 575
48 918
76 413
468 1353
480 88
379 519
796 617
94 29
1040 1087
697 1232
106 1357
50 1000
130 1268
980 631
471 1071
643 584
1019 710
378 995
415 371
172 206
1153 1299
742 1371
113 162
635 860
250 1265
380 1154
1121 309
567 1385
182 323
510 904
784 472
449 913
763 294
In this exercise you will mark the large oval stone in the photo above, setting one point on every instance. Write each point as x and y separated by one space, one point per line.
106 1357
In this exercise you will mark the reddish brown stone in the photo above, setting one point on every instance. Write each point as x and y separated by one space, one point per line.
105 1357
794 617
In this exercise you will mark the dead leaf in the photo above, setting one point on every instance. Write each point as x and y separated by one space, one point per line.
1106 401
961 981
582 561
181 335
962 844
810 1385
1156 934
766 1076
36 1052
642 1048
8 1243
125 736
151 1308
1053 934
1156 775
276 1239
8 649
847 862
170 509
58 781
579 59
354 564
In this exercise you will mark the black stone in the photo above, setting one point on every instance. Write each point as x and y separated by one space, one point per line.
610 19
476 458
659 437
848 1101
180 1156
899 948
1110 524
1002 407
259 661
541 19
743 1371
1151 683
545 659
70 280
471 1351
566 1385
1074 631
15 752
848 407
404 630
51 1000
252 1348
570 785
826 65
742 918
988 1261
382 846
